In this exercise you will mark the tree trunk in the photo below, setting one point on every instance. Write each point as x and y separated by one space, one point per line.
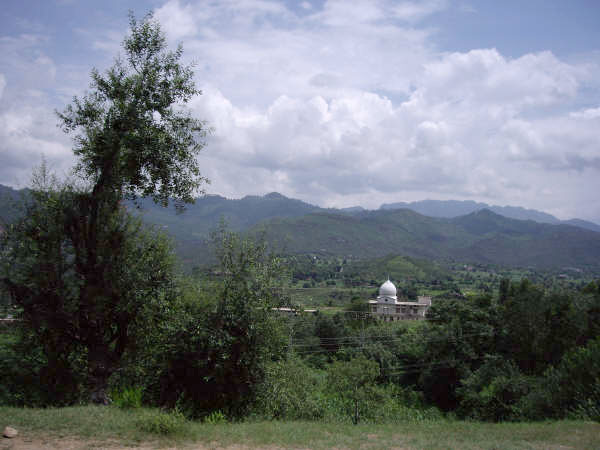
99 371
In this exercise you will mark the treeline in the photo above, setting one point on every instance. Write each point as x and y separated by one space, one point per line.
521 354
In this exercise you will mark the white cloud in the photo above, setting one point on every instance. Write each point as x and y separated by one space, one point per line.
342 105
414 11
463 133
587 114
2 84
24 62
176 20
28 133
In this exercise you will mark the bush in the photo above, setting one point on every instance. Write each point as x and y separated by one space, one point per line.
571 389
492 391
163 422
214 357
391 404
215 418
30 377
290 391
128 398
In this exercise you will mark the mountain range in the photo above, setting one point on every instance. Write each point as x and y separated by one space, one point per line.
293 226
455 208
482 237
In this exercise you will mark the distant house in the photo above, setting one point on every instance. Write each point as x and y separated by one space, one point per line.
387 307
294 311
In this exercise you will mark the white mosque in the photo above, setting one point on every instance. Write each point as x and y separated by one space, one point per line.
387 307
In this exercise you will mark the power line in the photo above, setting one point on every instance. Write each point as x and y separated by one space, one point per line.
378 339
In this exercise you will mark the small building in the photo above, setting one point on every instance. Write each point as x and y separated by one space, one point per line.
387 307
293 311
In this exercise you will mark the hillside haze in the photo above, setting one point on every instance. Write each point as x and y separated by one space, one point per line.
482 236
455 208
295 227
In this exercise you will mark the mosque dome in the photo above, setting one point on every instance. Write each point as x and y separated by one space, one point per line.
387 289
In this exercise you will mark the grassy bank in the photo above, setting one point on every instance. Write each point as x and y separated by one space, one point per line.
115 428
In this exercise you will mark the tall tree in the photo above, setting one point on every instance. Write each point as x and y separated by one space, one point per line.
353 381
99 268
131 135
217 354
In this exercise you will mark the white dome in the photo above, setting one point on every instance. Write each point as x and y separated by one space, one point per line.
387 289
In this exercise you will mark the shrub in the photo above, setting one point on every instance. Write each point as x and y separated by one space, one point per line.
161 422
215 357
570 389
127 398
492 392
290 391
215 418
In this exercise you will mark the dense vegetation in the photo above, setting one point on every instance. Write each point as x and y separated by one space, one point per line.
520 353
103 312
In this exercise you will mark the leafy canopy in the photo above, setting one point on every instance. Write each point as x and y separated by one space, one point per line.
132 136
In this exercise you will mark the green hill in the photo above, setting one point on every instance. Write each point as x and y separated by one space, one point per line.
397 268
481 237
295 227
9 204
455 208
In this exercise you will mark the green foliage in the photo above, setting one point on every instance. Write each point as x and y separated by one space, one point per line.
127 398
570 389
514 358
87 276
31 377
163 423
352 382
215 355
84 304
461 334
291 391
131 136
492 392
215 418
397 268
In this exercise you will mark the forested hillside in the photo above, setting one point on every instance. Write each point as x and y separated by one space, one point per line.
455 208
482 237
295 227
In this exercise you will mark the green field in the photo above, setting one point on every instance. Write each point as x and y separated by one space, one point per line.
94 426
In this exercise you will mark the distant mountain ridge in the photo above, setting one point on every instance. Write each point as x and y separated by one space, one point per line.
239 214
251 209
293 226
455 208
481 237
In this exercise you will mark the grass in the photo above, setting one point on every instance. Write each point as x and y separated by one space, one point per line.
122 428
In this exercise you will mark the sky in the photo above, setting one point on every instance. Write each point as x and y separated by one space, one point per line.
340 103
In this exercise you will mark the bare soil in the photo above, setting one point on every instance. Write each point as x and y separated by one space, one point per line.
73 443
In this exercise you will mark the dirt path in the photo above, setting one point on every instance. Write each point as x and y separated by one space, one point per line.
72 443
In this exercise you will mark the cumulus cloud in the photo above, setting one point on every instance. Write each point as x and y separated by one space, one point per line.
586 114
342 106
413 11
177 20
464 132
2 85
28 129
28 134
